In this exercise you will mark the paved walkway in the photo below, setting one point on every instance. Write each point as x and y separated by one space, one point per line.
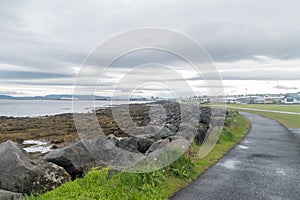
265 165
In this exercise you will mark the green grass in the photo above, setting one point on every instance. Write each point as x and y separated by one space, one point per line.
160 184
286 108
289 120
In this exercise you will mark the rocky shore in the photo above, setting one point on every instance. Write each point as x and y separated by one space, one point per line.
70 157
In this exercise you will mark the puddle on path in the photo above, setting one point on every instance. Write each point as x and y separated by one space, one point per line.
295 130
230 164
242 147
280 171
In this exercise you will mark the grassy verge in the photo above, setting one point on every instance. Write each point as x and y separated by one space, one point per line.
289 120
276 107
160 184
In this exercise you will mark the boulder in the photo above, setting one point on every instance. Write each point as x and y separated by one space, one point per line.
7 195
172 127
205 118
103 150
152 130
113 139
134 144
75 159
21 174
158 132
128 144
177 139
189 134
206 110
217 121
218 112
158 145
135 131
165 132
201 133
174 141
185 126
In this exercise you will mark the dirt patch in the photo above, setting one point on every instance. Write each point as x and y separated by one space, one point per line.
60 129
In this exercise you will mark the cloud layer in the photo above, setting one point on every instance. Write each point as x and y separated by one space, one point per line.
44 43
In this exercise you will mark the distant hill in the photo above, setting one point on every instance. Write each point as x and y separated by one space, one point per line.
70 97
57 97
6 97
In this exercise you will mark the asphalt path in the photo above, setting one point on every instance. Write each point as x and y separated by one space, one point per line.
265 165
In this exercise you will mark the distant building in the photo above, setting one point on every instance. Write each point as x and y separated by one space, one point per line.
200 99
291 99
250 100
269 100
229 100
273 99
204 100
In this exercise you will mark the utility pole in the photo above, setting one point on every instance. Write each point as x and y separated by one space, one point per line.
246 95
277 88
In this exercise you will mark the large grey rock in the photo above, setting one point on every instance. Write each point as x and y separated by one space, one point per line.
113 139
134 144
158 132
172 141
172 127
75 159
215 112
201 133
217 121
152 130
185 126
7 195
165 132
22 174
205 118
128 144
158 145
105 151
189 134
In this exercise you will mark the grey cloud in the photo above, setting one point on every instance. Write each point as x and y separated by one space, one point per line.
46 41
282 87
5 74
257 74
65 81
23 46
10 92
240 29
261 75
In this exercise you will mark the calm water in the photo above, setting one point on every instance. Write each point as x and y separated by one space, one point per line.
33 108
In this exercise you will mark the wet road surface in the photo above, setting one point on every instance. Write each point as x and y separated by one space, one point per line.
265 165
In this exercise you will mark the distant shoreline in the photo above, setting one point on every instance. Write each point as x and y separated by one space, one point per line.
42 108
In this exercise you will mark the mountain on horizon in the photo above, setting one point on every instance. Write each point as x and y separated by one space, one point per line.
2 96
57 97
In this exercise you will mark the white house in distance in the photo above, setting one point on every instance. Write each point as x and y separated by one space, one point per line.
228 100
291 99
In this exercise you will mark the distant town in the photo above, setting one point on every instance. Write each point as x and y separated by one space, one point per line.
289 98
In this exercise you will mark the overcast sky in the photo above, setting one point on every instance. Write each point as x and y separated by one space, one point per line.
255 44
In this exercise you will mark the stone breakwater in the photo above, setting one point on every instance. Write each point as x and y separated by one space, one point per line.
60 130
154 129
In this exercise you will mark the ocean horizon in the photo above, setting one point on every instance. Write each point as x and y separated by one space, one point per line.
38 108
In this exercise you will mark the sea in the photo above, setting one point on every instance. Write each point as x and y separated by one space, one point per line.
36 108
